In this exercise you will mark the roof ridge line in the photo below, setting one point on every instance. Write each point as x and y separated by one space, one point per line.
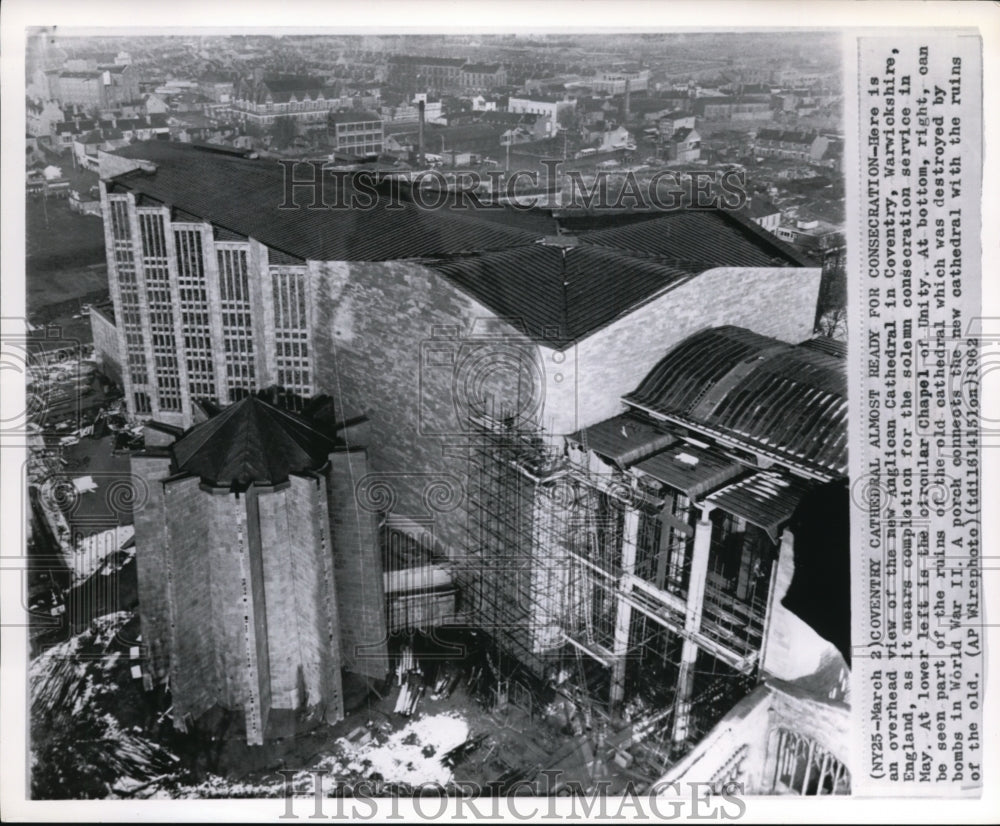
455 257
221 416
448 215
251 424
753 228
297 420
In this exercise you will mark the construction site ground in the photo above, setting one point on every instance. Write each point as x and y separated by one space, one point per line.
469 738
540 750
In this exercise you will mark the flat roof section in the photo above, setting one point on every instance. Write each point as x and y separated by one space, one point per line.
690 469
624 439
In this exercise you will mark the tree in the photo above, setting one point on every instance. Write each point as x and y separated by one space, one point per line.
253 130
283 131
568 119
833 323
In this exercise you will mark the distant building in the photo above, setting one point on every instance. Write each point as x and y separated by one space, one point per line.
605 136
483 75
187 101
259 577
593 111
307 100
480 103
86 201
33 155
528 127
87 146
356 132
830 155
435 74
790 145
67 130
616 138
548 107
149 127
763 213
154 104
175 87
433 112
750 74
803 77
614 82
108 87
670 122
652 109
38 184
41 117
812 235
749 107
217 88
472 136
684 145
42 59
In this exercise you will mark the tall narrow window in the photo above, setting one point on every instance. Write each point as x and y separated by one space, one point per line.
161 310
195 314
291 330
237 326
128 289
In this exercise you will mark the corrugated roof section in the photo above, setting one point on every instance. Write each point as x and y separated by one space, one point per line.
624 439
825 344
686 373
787 401
690 469
701 238
766 499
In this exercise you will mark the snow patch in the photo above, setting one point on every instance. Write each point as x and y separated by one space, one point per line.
413 755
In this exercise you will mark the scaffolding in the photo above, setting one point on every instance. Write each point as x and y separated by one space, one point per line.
545 554
515 592
581 574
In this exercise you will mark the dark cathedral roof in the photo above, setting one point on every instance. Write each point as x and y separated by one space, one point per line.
556 295
561 295
251 442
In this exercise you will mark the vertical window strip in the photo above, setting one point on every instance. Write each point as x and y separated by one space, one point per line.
195 313
161 310
291 333
128 288
237 326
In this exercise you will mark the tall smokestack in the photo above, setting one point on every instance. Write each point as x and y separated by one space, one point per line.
420 134
628 102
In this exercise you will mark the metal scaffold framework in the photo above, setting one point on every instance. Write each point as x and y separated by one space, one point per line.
547 542
559 567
